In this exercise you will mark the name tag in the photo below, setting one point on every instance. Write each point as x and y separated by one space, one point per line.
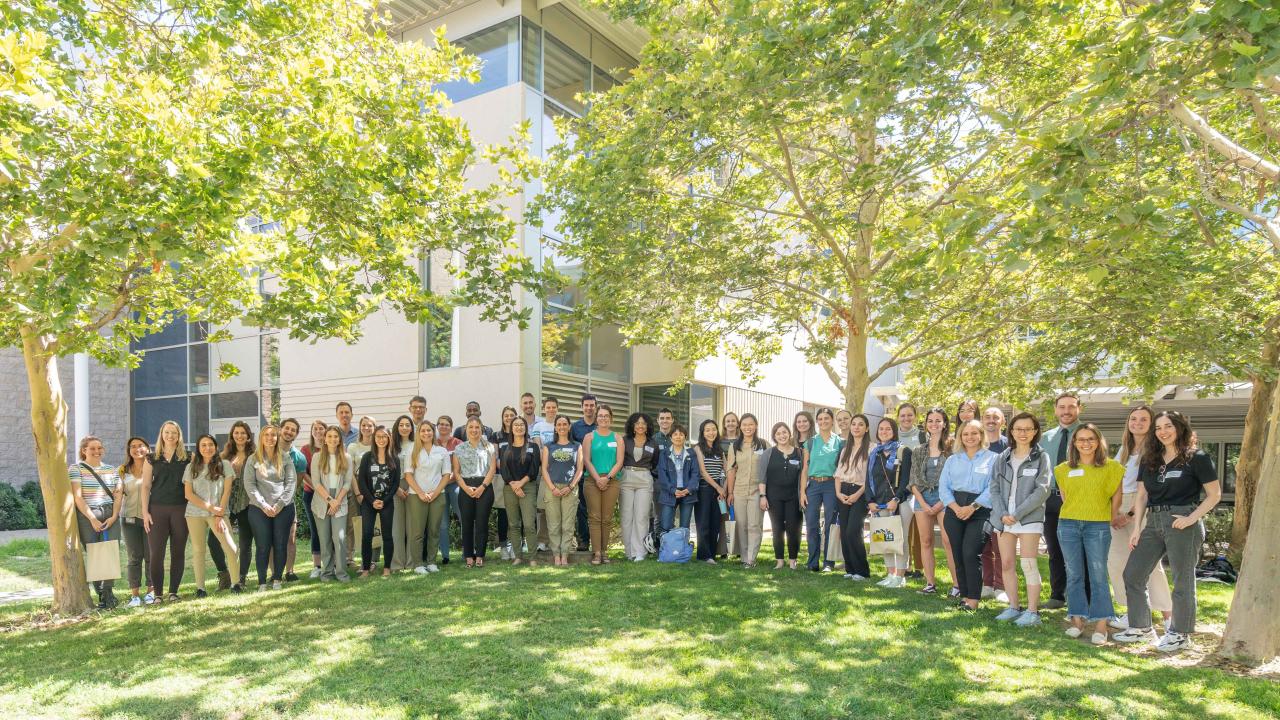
760 451
1029 472
794 462
613 444
1078 472
1172 474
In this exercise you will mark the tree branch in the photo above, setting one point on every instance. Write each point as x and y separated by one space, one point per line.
832 375
1261 114
1232 151
1267 226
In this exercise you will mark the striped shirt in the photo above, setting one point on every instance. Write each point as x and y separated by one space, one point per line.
95 495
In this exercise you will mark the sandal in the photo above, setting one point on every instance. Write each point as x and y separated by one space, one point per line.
479 562
595 560
516 561
386 572
471 562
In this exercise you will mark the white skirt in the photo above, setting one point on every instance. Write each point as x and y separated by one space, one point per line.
1025 528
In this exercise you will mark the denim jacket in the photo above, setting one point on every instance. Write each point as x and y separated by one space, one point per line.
667 475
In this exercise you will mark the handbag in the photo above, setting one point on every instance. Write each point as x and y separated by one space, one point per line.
835 549
102 559
887 535
101 512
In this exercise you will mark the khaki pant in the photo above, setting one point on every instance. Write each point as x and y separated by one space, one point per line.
399 537
521 517
354 526
600 506
422 521
562 514
749 530
1118 557
636 502
198 529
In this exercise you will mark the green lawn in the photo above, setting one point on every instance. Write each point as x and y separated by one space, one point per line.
622 641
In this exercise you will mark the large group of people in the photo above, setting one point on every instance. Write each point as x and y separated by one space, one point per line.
992 489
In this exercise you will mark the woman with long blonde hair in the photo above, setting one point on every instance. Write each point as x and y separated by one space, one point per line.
331 476
270 484
164 510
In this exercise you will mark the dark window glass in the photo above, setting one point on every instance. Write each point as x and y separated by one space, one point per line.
498 51
199 331
199 415
198 362
149 415
1228 469
161 372
439 338
234 405
175 333
562 350
565 74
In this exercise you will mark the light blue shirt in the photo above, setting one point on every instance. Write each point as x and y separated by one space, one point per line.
542 431
964 474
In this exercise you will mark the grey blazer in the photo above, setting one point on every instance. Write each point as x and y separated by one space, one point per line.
1033 489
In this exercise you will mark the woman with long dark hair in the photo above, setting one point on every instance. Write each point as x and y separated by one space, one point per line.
501 439
1174 474
888 487
133 473
238 450
926 469
315 441
748 452
378 477
207 482
802 428
639 468
714 466
1132 444
475 463
561 473
819 503
520 463
851 503
402 438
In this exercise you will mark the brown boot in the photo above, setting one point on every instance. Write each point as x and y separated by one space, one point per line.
224 580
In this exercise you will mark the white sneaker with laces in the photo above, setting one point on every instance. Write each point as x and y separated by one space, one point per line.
858 578
135 602
1074 632
1002 596
988 593
1119 622
275 585
1027 619
315 573
885 582
1135 635
1010 613
420 570
899 581
1099 638
1173 642
432 568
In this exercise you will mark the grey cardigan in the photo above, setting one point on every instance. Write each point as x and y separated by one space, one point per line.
1033 490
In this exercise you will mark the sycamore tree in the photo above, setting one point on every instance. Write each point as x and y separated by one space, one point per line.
833 171
137 137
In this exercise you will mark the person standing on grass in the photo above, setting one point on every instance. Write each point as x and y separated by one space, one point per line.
207 482
603 464
316 441
519 463
239 450
911 437
1169 512
97 492
992 576
543 431
270 483
1132 444
851 503
677 480
819 504
355 453
782 493
164 515
888 487
289 430
332 477
1057 442
744 488
561 472
428 477
133 473
666 421
377 480
475 462
639 466
926 472
965 490
578 432
715 469
402 438
501 439
446 440
1090 484
728 436
1019 490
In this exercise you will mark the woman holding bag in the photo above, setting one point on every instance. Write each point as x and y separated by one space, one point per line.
96 490
888 471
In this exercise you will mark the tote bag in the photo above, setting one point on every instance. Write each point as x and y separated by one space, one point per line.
887 535
102 560
835 550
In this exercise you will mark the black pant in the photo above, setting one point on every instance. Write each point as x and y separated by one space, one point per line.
169 527
852 517
475 521
708 521
584 535
272 537
215 552
306 508
966 538
503 525
244 540
784 516
1057 563
367 515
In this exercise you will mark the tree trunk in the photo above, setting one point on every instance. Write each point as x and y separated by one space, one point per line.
1252 635
49 426
856 375
1249 466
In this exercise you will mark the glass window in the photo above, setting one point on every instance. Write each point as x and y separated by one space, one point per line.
175 333
551 137
162 372
437 330
654 397
245 353
601 82
1228 471
234 405
498 51
610 359
149 415
562 351
270 406
199 331
702 406
565 74
610 60
531 54
198 362
271 360
199 408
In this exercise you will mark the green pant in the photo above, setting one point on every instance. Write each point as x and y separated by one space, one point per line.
522 513
562 512
424 523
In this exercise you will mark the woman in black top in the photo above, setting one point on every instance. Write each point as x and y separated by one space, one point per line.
783 466
1172 474
164 511
501 438
713 491
519 462
639 468
377 481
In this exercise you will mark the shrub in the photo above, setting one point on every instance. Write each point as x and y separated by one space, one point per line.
1217 530
31 491
16 512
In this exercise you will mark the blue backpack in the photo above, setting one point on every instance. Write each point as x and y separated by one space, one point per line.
675 546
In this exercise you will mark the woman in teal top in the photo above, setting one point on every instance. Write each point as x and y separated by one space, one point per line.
604 462
819 495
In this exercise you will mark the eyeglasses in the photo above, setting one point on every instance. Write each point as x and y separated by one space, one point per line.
1086 441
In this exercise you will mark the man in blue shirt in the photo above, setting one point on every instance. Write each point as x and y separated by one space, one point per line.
289 429
1056 442
344 414
578 431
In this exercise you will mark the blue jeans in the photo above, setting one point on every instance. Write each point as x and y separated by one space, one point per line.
820 496
450 510
667 517
1085 544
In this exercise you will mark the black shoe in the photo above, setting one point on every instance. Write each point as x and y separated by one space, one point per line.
237 588
224 580
290 577
583 548
102 603
915 574
444 560
200 593
112 602
173 597
1053 604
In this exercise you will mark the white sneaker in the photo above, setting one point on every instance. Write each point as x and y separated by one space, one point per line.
1173 642
135 602
276 585
886 581
989 593
432 568
1027 619
542 547
638 558
507 552
858 578
315 573
1002 596
420 570
899 581
1074 632
1099 638
1010 613
1134 635
263 587
1119 622
848 576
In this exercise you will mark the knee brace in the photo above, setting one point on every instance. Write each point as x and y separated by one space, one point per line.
1031 571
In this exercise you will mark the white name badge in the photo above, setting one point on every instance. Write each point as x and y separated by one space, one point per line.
1173 474
1029 472
1078 472
613 444
794 462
